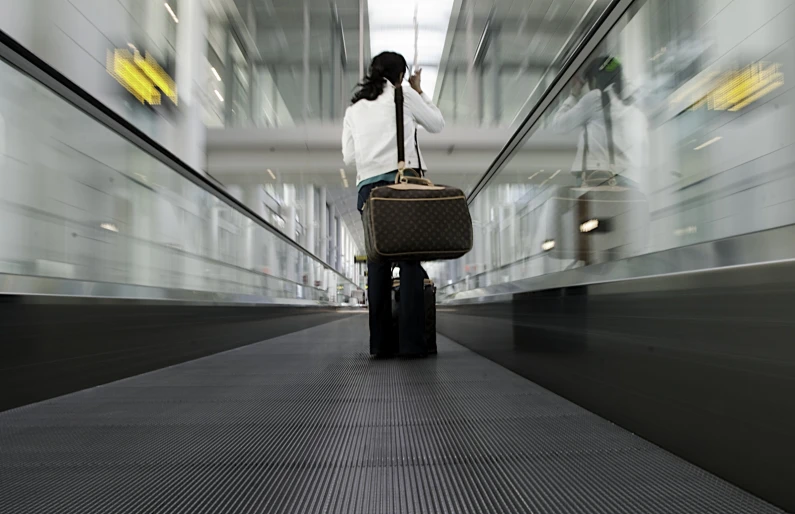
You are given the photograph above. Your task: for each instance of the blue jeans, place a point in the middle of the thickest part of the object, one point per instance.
(410, 338)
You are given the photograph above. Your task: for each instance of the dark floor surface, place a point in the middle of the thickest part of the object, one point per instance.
(309, 423)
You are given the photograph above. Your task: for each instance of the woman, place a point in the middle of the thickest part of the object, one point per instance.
(611, 164)
(613, 140)
(369, 140)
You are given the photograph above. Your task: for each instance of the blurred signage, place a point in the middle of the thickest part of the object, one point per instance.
(736, 89)
(359, 258)
(141, 75)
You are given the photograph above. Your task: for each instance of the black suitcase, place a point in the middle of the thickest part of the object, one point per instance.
(429, 291)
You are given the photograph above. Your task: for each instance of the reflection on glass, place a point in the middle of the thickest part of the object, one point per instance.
(80, 202)
(681, 133)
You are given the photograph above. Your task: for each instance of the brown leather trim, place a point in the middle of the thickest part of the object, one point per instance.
(418, 199)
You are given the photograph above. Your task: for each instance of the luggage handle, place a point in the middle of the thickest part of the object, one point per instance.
(401, 178)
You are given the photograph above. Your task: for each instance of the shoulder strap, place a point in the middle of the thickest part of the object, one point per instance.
(419, 159)
(584, 169)
(401, 151)
(611, 150)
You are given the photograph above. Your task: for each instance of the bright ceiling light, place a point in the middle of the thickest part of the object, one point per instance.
(589, 226)
(171, 12)
(110, 227)
(215, 72)
(342, 173)
(704, 145)
(218, 94)
(393, 30)
(270, 172)
(548, 245)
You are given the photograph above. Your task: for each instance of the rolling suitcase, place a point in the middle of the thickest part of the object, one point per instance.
(413, 219)
(429, 294)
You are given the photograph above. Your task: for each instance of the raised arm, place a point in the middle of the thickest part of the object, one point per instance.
(573, 113)
(421, 106)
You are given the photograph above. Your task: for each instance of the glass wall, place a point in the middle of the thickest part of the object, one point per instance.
(80, 202)
(683, 122)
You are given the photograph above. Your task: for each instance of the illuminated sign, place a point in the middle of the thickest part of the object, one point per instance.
(141, 75)
(359, 258)
(736, 89)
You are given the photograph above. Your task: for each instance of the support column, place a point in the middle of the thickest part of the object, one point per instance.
(310, 224)
(229, 78)
(307, 110)
(191, 51)
(288, 212)
(496, 64)
(472, 82)
(253, 199)
(323, 238)
(338, 246)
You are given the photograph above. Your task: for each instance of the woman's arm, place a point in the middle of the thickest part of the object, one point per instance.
(421, 106)
(573, 114)
(348, 148)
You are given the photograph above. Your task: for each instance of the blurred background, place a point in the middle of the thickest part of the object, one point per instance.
(189, 150)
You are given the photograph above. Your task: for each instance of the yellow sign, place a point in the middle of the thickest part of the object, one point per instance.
(359, 258)
(736, 89)
(141, 76)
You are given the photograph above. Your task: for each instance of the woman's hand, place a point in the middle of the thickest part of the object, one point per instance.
(576, 86)
(416, 81)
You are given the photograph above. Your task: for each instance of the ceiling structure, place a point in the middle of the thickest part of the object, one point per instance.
(464, 42)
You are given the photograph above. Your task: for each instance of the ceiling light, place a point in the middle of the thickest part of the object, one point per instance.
(171, 12)
(589, 226)
(218, 94)
(548, 245)
(215, 72)
(270, 172)
(110, 226)
(342, 173)
(531, 177)
(685, 231)
(704, 145)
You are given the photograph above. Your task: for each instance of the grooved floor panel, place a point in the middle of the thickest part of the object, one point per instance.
(308, 423)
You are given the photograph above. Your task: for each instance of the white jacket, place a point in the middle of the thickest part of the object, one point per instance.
(369, 132)
(630, 135)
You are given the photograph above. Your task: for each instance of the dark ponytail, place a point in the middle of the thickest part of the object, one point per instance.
(387, 66)
(604, 72)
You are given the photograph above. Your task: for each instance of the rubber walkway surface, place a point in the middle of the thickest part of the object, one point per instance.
(307, 423)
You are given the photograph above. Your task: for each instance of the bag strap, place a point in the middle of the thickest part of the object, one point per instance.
(401, 151)
(611, 149)
(419, 159)
(585, 151)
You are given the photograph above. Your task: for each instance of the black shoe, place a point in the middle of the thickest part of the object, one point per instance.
(381, 356)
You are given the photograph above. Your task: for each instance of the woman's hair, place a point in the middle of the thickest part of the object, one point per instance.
(603, 72)
(386, 66)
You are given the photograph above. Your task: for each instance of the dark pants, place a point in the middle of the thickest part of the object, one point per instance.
(412, 301)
